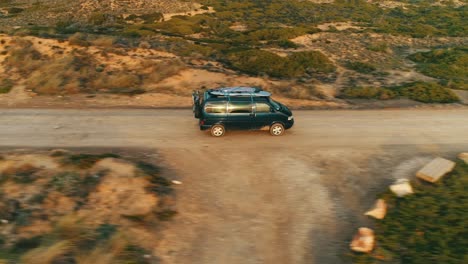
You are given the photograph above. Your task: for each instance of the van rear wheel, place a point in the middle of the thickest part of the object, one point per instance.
(217, 130)
(277, 129)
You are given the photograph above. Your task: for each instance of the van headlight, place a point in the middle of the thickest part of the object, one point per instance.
(290, 118)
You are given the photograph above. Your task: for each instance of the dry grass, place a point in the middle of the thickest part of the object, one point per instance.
(61, 72)
(104, 41)
(298, 92)
(6, 85)
(122, 80)
(81, 70)
(23, 56)
(45, 255)
(22, 174)
(71, 228)
(78, 39)
(163, 70)
(106, 254)
(78, 211)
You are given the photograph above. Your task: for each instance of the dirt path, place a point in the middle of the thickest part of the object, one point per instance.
(252, 198)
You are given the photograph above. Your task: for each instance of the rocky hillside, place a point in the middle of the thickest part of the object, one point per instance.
(135, 6)
(306, 50)
(49, 12)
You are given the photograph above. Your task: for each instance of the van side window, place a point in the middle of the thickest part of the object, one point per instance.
(215, 107)
(263, 108)
(240, 107)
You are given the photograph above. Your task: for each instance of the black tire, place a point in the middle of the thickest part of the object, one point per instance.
(277, 129)
(218, 130)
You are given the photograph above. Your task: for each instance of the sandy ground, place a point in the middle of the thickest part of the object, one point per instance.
(252, 198)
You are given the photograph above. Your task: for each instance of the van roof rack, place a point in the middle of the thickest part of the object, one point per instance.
(239, 91)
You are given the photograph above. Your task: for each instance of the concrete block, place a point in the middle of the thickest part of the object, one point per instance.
(363, 241)
(464, 157)
(435, 169)
(379, 210)
(401, 188)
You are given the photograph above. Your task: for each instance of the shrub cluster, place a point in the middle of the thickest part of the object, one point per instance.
(361, 67)
(368, 93)
(6, 85)
(259, 62)
(428, 93)
(83, 233)
(449, 65)
(422, 19)
(418, 91)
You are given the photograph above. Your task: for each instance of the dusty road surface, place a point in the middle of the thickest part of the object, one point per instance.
(252, 198)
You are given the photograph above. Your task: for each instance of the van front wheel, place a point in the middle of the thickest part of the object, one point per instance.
(217, 130)
(277, 129)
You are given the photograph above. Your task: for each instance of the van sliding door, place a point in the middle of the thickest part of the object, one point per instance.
(240, 115)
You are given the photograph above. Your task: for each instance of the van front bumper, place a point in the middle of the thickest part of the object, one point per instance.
(289, 124)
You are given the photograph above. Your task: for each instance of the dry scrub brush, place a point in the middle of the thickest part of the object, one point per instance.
(80, 72)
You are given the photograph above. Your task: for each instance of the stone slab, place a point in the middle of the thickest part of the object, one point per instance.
(379, 210)
(464, 157)
(435, 169)
(363, 241)
(401, 187)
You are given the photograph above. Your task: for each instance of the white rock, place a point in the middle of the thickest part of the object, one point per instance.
(379, 211)
(435, 169)
(401, 188)
(464, 157)
(363, 241)
(4, 221)
(177, 182)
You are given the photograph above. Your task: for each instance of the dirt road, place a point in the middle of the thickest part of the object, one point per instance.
(252, 198)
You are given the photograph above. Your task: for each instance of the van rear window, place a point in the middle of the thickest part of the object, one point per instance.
(215, 107)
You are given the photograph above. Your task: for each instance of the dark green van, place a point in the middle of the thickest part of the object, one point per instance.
(240, 108)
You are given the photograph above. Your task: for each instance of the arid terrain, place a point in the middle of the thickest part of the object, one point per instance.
(103, 53)
(168, 81)
(251, 198)
(378, 88)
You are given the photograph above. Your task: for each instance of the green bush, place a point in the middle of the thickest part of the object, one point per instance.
(378, 47)
(67, 183)
(428, 226)
(259, 62)
(97, 18)
(286, 44)
(152, 17)
(418, 91)
(449, 65)
(313, 61)
(275, 34)
(15, 10)
(428, 93)
(182, 25)
(6, 85)
(361, 67)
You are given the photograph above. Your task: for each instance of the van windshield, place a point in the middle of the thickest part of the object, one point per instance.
(275, 104)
